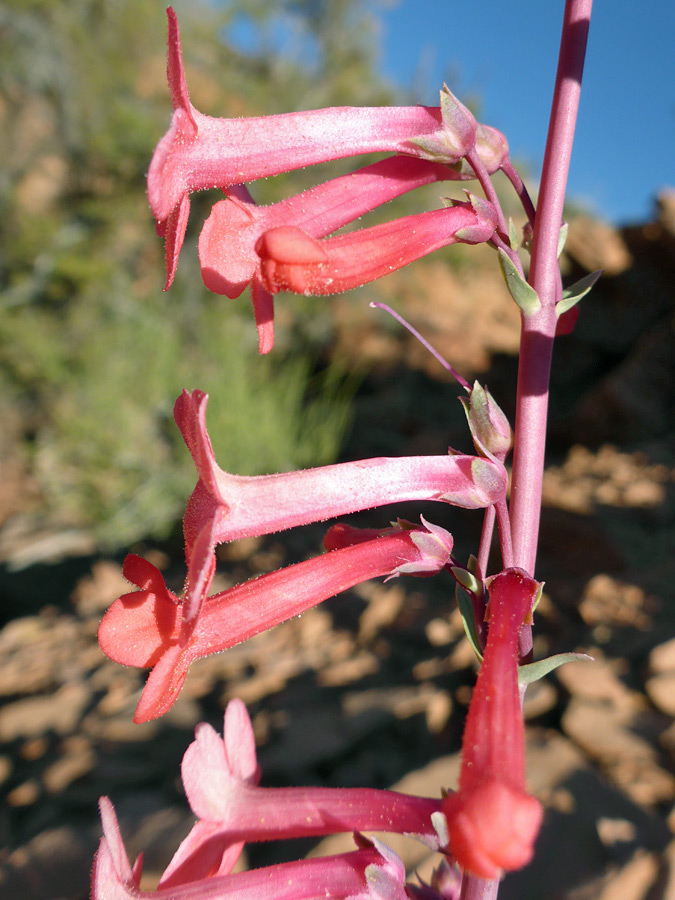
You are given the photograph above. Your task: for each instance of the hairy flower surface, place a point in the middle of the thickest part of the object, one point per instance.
(492, 820)
(200, 152)
(373, 872)
(147, 627)
(225, 507)
(227, 242)
(291, 259)
(220, 777)
(228, 238)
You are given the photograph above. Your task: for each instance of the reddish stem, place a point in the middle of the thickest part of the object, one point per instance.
(539, 329)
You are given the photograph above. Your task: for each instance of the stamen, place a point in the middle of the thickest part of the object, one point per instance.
(425, 343)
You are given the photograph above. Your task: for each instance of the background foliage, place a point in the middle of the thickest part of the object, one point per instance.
(92, 353)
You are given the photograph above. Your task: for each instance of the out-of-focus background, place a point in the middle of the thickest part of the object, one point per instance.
(93, 355)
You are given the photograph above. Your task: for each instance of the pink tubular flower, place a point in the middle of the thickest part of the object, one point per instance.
(225, 507)
(293, 260)
(200, 152)
(492, 821)
(372, 872)
(220, 777)
(227, 242)
(147, 627)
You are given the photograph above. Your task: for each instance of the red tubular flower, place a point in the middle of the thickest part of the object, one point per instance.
(228, 238)
(227, 242)
(226, 507)
(370, 873)
(492, 820)
(147, 627)
(293, 260)
(220, 776)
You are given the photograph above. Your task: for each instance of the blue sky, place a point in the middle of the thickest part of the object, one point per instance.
(625, 144)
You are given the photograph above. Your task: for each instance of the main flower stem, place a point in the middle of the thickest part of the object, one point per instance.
(538, 332)
(474, 888)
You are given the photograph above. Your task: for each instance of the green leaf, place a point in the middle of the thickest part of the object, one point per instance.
(562, 237)
(524, 294)
(536, 670)
(468, 620)
(573, 294)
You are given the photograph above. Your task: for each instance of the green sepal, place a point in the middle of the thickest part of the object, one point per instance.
(523, 293)
(562, 237)
(536, 670)
(466, 611)
(459, 124)
(573, 294)
(537, 599)
(467, 580)
(514, 236)
(437, 149)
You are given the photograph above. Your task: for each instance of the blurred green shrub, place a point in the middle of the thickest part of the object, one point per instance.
(92, 353)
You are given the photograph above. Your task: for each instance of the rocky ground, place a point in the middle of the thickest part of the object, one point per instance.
(371, 688)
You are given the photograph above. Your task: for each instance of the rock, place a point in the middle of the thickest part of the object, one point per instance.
(76, 759)
(607, 735)
(633, 881)
(661, 691)
(598, 681)
(94, 594)
(662, 657)
(55, 864)
(605, 477)
(59, 712)
(540, 698)
(596, 245)
(665, 204)
(636, 397)
(608, 601)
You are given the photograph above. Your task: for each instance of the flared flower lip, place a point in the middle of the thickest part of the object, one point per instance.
(200, 151)
(148, 627)
(227, 241)
(220, 778)
(225, 507)
(348, 876)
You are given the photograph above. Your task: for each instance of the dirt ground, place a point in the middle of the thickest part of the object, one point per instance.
(371, 688)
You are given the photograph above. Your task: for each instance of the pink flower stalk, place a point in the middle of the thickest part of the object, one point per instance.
(227, 242)
(492, 820)
(293, 260)
(373, 872)
(220, 776)
(226, 507)
(147, 628)
(200, 152)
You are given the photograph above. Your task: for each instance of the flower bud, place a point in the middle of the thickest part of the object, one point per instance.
(490, 429)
